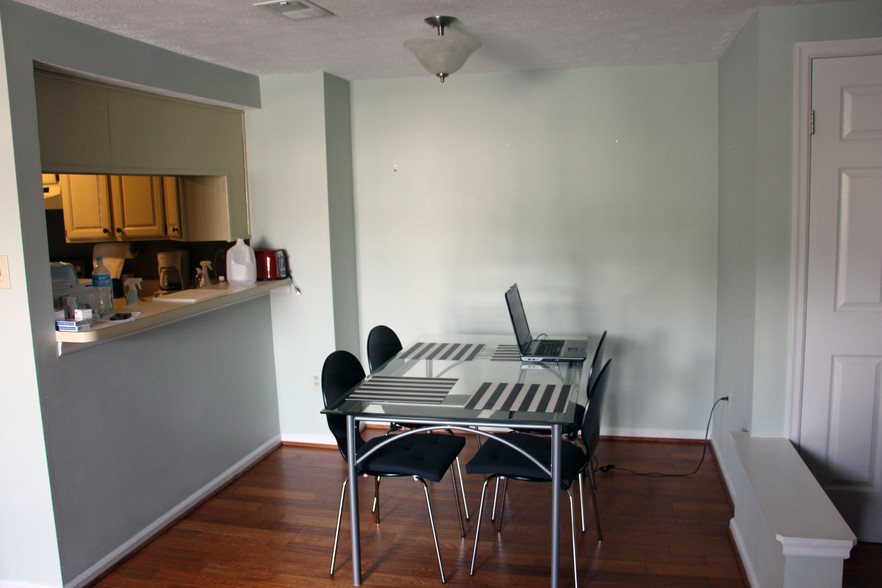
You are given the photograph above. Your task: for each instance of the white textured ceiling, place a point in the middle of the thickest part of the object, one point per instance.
(363, 40)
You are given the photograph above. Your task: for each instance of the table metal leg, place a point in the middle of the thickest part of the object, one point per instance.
(556, 431)
(353, 500)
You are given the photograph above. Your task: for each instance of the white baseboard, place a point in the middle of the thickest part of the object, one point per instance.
(723, 467)
(307, 439)
(166, 520)
(328, 439)
(651, 433)
(752, 578)
(16, 584)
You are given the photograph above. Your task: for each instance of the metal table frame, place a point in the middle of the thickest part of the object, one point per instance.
(469, 425)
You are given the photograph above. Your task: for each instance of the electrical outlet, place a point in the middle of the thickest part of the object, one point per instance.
(4, 272)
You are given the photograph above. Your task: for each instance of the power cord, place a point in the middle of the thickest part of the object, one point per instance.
(610, 467)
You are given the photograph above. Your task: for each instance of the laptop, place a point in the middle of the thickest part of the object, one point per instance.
(540, 349)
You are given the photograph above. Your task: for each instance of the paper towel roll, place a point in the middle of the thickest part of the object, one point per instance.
(113, 255)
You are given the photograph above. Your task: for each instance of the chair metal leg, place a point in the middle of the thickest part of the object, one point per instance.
(339, 518)
(432, 520)
(573, 531)
(582, 500)
(478, 527)
(502, 504)
(465, 504)
(456, 500)
(594, 500)
(375, 507)
(495, 496)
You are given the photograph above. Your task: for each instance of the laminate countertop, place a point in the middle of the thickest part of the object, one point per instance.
(156, 312)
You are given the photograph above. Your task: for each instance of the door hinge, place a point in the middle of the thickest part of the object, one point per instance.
(812, 123)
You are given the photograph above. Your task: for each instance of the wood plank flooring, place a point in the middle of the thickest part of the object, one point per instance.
(274, 526)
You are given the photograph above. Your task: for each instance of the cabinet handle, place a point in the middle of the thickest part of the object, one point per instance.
(105, 231)
(119, 231)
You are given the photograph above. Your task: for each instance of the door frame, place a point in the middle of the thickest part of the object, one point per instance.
(805, 53)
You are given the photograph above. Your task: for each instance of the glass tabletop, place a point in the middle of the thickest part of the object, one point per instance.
(471, 379)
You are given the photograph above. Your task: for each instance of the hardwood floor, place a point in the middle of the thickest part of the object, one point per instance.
(274, 526)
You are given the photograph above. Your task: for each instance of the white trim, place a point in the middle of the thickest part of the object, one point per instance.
(165, 521)
(804, 547)
(722, 466)
(651, 433)
(805, 53)
(746, 562)
(308, 439)
(15, 584)
(673, 434)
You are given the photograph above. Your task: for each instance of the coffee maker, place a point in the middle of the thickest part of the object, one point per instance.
(173, 270)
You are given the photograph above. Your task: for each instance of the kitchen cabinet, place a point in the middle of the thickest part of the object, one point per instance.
(99, 207)
(138, 208)
(174, 221)
(85, 199)
(72, 124)
(90, 127)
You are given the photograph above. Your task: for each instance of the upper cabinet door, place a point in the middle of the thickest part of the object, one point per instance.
(72, 123)
(137, 207)
(184, 138)
(86, 202)
(174, 219)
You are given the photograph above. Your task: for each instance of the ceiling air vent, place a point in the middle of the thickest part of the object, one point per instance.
(295, 9)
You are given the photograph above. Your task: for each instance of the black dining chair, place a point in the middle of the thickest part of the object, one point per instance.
(496, 460)
(570, 431)
(382, 345)
(422, 457)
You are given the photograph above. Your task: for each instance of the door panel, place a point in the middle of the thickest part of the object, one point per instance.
(842, 408)
(859, 263)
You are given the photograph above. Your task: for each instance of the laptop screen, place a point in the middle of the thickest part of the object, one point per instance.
(518, 318)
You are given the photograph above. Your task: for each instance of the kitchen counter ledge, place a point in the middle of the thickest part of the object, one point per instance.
(156, 312)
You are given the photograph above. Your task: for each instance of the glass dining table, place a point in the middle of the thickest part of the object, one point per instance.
(475, 383)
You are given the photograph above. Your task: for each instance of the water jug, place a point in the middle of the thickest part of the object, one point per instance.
(241, 264)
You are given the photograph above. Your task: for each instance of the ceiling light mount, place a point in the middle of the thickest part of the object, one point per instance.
(441, 55)
(439, 22)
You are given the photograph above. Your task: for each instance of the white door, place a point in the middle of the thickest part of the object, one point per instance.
(841, 421)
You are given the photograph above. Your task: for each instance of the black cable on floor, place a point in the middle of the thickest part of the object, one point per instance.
(610, 467)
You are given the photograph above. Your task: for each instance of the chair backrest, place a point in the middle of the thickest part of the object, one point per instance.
(596, 363)
(382, 345)
(340, 373)
(591, 421)
(593, 373)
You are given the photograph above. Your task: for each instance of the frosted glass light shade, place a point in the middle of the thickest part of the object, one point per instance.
(441, 55)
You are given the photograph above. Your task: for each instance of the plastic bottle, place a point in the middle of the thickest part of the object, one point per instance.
(241, 264)
(102, 297)
(132, 285)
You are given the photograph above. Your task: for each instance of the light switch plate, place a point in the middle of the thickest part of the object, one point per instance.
(4, 272)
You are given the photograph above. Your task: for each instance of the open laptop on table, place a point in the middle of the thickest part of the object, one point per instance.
(540, 349)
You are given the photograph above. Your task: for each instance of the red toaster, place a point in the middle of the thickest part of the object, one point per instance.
(271, 264)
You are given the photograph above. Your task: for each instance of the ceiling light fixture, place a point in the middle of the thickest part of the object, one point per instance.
(441, 55)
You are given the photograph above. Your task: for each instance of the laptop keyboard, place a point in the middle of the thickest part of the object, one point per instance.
(549, 347)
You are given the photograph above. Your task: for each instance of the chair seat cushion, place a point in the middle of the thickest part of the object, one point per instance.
(497, 458)
(427, 455)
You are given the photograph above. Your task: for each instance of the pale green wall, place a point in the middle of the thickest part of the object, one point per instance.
(288, 180)
(757, 146)
(135, 428)
(780, 29)
(594, 189)
(736, 276)
(756, 203)
(28, 549)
